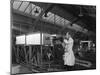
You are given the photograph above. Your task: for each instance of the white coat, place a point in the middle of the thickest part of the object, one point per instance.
(68, 57)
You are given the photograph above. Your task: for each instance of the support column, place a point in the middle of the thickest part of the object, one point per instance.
(30, 54)
(26, 60)
(17, 54)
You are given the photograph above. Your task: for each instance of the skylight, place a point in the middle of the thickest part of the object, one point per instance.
(23, 6)
(16, 4)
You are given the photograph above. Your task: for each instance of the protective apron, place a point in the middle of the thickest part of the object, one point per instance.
(68, 57)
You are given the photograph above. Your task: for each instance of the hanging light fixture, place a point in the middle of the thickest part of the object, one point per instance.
(36, 11)
(46, 14)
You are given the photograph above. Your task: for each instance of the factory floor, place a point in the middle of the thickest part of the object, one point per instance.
(19, 69)
(82, 63)
(23, 69)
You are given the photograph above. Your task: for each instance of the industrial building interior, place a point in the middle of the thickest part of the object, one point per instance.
(37, 30)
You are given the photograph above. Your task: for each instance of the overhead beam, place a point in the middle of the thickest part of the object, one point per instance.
(17, 17)
(20, 29)
(29, 16)
(27, 22)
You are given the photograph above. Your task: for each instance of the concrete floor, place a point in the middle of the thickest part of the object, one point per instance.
(19, 69)
(89, 59)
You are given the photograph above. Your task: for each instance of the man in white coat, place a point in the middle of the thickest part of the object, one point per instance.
(68, 57)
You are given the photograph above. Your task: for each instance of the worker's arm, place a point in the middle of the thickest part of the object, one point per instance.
(66, 42)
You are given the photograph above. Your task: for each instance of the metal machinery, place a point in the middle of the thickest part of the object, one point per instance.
(32, 48)
(86, 54)
(39, 49)
(86, 46)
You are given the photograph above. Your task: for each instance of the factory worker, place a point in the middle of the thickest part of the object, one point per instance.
(68, 57)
